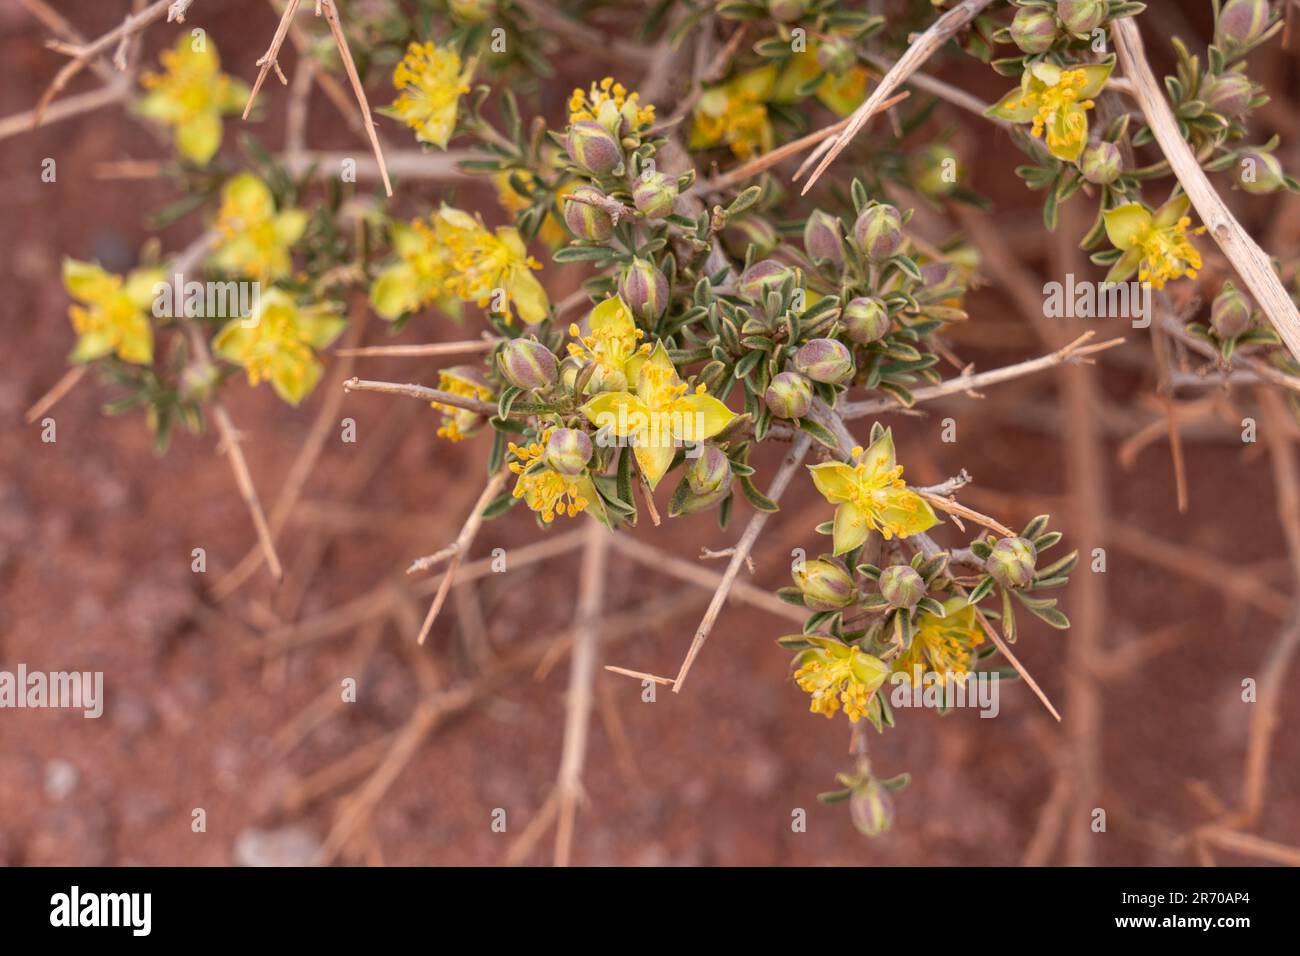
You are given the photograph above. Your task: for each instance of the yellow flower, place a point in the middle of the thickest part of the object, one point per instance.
(253, 239)
(843, 93)
(491, 268)
(1055, 101)
(418, 277)
(430, 81)
(278, 343)
(114, 316)
(835, 673)
(544, 489)
(735, 114)
(660, 416)
(190, 96)
(871, 494)
(613, 344)
(468, 382)
(606, 101)
(1155, 246)
(942, 645)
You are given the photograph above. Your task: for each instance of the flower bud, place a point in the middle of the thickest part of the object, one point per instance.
(653, 195)
(940, 279)
(1101, 163)
(1012, 562)
(1033, 29)
(527, 363)
(1230, 313)
(1229, 94)
(879, 231)
(825, 360)
(1258, 172)
(789, 395)
(594, 148)
(585, 220)
(823, 237)
(1241, 23)
(763, 276)
(710, 472)
(568, 450)
(748, 231)
(902, 586)
(645, 289)
(825, 586)
(865, 319)
(871, 808)
(835, 55)
(1081, 16)
(787, 11)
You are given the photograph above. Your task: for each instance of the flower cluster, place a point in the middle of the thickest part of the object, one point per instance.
(191, 95)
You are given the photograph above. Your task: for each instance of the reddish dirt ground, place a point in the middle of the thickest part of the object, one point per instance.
(96, 534)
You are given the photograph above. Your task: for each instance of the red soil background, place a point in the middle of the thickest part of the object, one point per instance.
(96, 534)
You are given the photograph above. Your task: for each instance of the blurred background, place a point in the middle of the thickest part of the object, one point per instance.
(233, 705)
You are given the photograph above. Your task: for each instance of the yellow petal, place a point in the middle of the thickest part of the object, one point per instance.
(528, 296)
(613, 316)
(654, 459)
(395, 291)
(621, 412)
(1126, 223)
(880, 456)
(1015, 107)
(702, 416)
(906, 513)
(835, 480)
(1095, 77)
(87, 281)
(1174, 209)
(851, 527)
(199, 137)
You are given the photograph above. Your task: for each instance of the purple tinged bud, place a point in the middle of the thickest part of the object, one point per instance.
(763, 276)
(1101, 163)
(825, 586)
(823, 237)
(1033, 29)
(871, 808)
(1081, 16)
(787, 11)
(750, 231)
(528, 364)
(866, 319)
(594, 148)
(825, 360)
(585, 220)
(902, 586)
(1230, 313)
(1012, 562)
(653, 195)
(879, 231)
(1241, 23)
(645, 289)
(789, 395)
(709, 473)
(1258, 172)
(568, 450)
(1229, 94)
